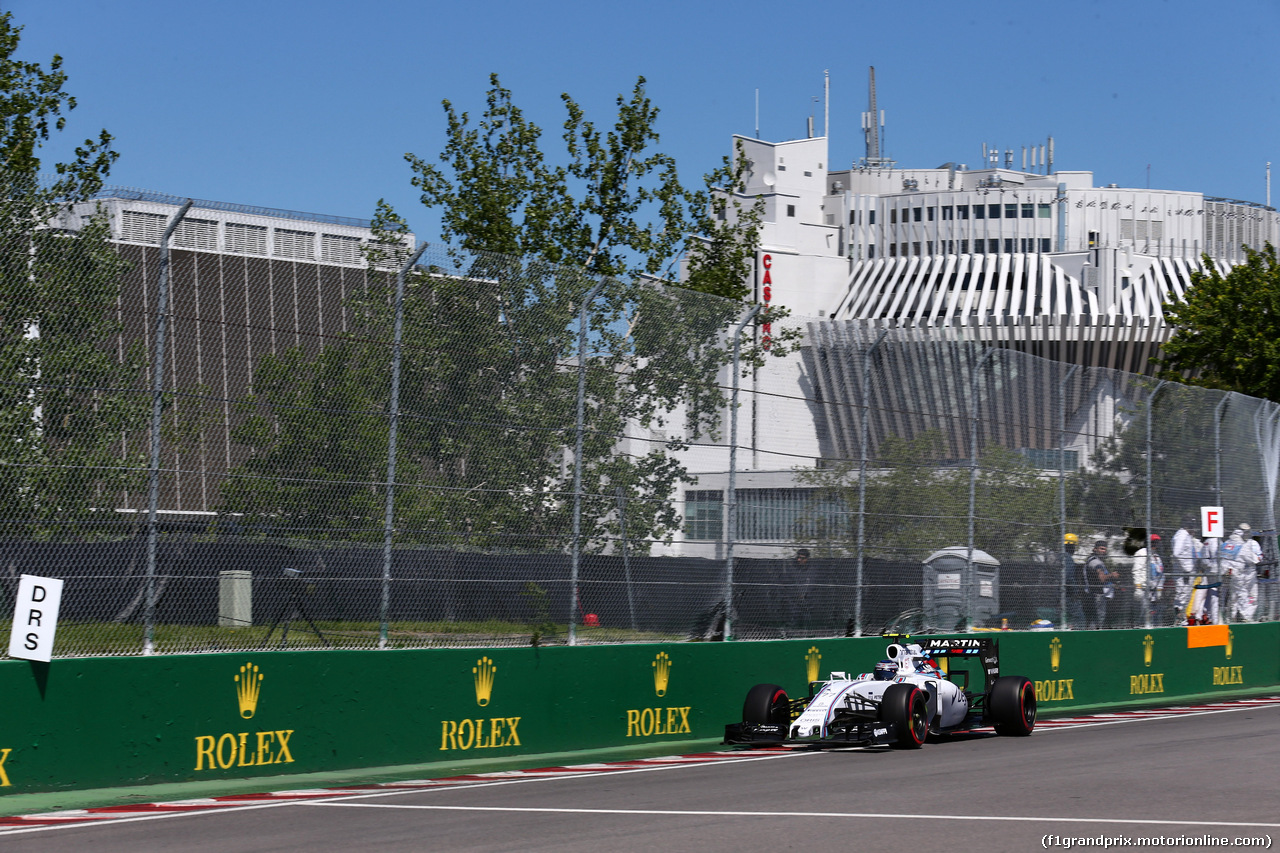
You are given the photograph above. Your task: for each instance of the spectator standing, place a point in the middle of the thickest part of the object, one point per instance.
(1102, 580)
(1244, 579)
(797, 594)
(1204, 601)
(1150, 567)
(1079, 594)
(1186, 550)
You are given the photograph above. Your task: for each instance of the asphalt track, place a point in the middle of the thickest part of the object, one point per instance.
(1209, 771)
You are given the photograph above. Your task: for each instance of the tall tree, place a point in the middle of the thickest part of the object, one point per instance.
(65, 409)
(1225, 331)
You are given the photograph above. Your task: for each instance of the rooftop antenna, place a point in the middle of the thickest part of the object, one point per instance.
(872, 126)
(826, 103)
(757, 112)
(1268, 183)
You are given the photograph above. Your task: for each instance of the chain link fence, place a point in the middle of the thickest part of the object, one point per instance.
(228, 429)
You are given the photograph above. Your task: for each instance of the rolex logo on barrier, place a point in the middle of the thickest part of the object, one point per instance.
(661, 673)
(248, 686)
(1055, 653)
(812, 660)
(244, 749)
(483, 672)
(1148, 643)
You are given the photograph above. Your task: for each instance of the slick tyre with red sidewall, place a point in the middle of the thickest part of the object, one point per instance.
(767, 703)
(905, 708)
(1011, 705)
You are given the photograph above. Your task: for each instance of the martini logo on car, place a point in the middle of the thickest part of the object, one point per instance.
(244, 749)
(661, 673)
(1148, 644)
(1055, 653)
(483, 672)
(813, 659)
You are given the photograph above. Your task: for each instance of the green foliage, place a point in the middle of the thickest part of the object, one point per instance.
(1225, 332)
(917, 502)
(69, 406)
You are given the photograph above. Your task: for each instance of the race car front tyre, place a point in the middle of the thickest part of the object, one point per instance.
(768, 704)
(904, 707)
(1012, 705)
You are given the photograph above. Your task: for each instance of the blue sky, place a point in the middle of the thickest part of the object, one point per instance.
(311, 105)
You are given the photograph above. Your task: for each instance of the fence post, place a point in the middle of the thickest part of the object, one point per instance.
(577, 460)
(392, 434)
(862, 481)
(157, 406)
(973, 485)
(1062, 492)
(731, 504)
(626, 552)
(1151, 411)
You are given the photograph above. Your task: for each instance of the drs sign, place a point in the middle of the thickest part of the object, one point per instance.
(35, 618)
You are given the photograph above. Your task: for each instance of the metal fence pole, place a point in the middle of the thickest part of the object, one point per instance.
(973, 486)
(862, 480)
(1151, 411)
(1062, 491)
(626, 553)
(157, 406)
(731, 508)
(393, 427)
(577, 461)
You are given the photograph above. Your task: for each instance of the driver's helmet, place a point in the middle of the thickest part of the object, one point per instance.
(886, 670)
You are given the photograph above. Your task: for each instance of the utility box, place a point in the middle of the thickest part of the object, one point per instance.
(947, 584)
(235, 599)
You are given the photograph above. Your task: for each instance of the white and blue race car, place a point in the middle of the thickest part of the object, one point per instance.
(917, 690)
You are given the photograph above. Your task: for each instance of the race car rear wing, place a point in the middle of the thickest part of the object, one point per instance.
(986, 649)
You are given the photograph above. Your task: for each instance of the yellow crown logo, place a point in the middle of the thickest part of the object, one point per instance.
(1231, 635)
(1055, 653)
(483, 671)
(1148, 644)
(812, 659)
(661, 673)
(248, 686)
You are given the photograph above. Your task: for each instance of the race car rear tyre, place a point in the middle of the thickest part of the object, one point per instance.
(1012, 705)
(904, 707)
(767, 703)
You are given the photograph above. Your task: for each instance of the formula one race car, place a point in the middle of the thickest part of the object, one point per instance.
(919, 689)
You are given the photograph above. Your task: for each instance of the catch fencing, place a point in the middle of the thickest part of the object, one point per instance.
(228, 428)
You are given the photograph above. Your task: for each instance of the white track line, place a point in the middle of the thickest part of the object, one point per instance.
(855, 815)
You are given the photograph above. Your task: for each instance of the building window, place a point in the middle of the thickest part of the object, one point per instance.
(893, 216)
(915, 248)
(853, 217)
(902, 250)
(1042, 211)
(704, 514)
(964, 247)
(979, 248)
(915, 214)
(993, 211)
(1044, 244)
(893, 250)
(871, 217)
(791, 210)
(139, 227)
(871, 251)
(979, 211)
(198, 234)
(928, 247)
(947, 213)
(788, 515)
(931, 214)
(1028, 211)
(246, 239)
(295, 244)
(340, 249)
(1011, 211)
(962, 211)
(993, 246)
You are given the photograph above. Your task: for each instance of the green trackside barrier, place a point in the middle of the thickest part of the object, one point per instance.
(98, 722)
